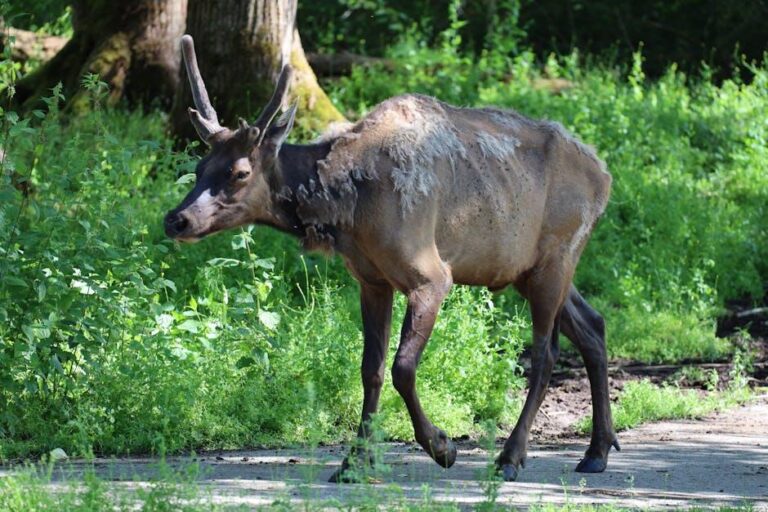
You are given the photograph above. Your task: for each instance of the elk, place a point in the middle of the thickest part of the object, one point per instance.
(418, 196)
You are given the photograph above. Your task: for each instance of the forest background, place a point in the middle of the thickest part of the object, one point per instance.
(115, 340)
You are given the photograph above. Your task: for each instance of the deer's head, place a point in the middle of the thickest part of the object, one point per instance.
(232, 180)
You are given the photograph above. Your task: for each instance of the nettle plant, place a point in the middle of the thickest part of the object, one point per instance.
(86, 296)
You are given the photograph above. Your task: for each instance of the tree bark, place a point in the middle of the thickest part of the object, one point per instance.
(241, 47)
(132, 46)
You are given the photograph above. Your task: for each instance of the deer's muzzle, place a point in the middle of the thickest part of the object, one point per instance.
(175, 224)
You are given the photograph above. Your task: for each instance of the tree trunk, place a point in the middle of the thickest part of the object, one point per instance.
(241, 47)
(132, 45)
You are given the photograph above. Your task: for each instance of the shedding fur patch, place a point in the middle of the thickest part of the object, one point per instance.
(417, 142)
(332, 205)
(497, 146)
(334, 130)
(514, 122)
(414, 132)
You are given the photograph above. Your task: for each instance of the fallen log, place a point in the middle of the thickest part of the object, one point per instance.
(755, 312)
(336, 64)
(26, 45)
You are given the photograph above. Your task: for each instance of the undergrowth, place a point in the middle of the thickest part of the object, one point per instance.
(115, 340)
(643, 402)
(34, 488)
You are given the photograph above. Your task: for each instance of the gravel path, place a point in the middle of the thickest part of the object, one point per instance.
(722, 460)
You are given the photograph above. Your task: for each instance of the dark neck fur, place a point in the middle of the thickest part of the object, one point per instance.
(296, 166)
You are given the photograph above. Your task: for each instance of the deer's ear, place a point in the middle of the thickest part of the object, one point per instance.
(278, 132)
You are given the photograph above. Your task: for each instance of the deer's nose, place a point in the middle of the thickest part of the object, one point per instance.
(175, 224)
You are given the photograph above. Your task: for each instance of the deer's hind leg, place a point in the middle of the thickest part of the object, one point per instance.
(545, 289)
(586, 329)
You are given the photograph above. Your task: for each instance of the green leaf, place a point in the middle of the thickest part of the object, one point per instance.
(223, 262)
(82, 287)
(29, 332)
(240, 241)
(265, 263)
(270, 319)
(164, 321)
(186, 178)
(192, 326)
(165, 283)
(15, 281)
(180, 352)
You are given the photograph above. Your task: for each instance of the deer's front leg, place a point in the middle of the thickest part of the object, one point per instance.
(423, 304)
(376, 309)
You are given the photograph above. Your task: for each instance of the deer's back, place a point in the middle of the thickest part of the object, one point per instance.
(492, 189)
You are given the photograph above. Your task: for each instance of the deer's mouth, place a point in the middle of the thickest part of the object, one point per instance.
(183, 227)
(188, 239)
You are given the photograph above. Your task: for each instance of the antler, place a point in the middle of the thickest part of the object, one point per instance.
(273, 106)
(204, 119)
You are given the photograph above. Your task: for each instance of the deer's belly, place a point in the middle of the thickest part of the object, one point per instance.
(489, 250)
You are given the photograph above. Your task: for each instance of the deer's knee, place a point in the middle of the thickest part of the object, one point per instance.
(404, 374)
(372, 374)
(549, 358)
(597, 325)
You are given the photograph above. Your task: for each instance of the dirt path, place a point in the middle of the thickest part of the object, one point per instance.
(717, 461)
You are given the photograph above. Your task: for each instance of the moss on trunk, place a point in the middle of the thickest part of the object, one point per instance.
(117, 41)
(316, 111)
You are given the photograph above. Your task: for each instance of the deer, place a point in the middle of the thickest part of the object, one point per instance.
(415, 197)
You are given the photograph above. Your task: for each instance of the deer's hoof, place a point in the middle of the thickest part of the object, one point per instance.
(508, 472)
(592, 465)
(449, 458)
(442, 449)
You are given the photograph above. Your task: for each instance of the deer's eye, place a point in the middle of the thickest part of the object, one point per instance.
(241, 175)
